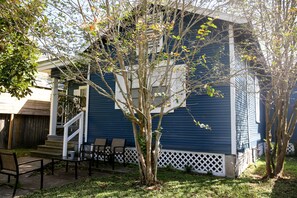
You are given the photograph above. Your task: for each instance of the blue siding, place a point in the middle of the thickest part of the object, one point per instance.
(242, 136)
(179, 130)
(248, 131)
(104, 119)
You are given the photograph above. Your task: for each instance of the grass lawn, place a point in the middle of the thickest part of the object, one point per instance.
(181, 184)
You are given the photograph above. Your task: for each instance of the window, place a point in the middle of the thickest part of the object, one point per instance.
(176, 89)
(82, 93)
(257, 99)
(155, 39)
(156, 91)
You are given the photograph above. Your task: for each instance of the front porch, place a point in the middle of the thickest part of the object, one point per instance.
(67, 123)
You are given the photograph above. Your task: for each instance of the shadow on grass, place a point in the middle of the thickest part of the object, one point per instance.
(173, 184)
(285, 188)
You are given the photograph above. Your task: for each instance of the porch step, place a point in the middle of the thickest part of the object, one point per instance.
(59, 143)
(43, 154)
(52, 148)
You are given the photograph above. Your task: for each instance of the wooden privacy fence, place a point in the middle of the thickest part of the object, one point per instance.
(28, 131)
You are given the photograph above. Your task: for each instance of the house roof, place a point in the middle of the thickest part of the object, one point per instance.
(213, 13)
(47, 62)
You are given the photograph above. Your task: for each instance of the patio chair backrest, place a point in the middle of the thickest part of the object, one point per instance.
(100, 141)
(8, 161)
(116, 142)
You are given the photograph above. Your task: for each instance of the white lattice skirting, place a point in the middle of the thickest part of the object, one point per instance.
(290, 148)
(200, 162)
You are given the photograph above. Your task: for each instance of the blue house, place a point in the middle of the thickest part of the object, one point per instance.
(236, 120)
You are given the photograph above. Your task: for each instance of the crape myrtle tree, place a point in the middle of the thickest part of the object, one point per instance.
(275, 26)
(146, 56)
(18, 54)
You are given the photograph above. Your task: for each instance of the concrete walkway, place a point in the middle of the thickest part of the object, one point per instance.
(31, 182)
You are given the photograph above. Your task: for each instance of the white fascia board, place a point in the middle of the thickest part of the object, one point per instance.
(50, 63)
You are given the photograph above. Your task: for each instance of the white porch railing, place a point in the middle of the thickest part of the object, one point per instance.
(79, 131)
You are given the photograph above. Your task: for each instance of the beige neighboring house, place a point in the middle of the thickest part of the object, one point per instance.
(25, 122)
(38, 103)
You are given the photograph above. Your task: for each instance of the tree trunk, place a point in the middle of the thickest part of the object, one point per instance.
(156, 153)
(278, 172)
(268, 158)
(148, 158)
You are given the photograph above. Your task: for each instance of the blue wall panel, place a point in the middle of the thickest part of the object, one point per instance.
(248, 131)
(179, 130)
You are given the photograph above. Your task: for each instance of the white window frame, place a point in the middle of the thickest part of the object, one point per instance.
(257, 100)
(177, 85)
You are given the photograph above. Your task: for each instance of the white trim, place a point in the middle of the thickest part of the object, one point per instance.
(232, 89)
(87, 107)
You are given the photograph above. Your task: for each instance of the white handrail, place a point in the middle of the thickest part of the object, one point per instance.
(80, 131)
(74, 119)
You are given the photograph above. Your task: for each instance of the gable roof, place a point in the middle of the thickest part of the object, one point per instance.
(46, 62)
(211, 13)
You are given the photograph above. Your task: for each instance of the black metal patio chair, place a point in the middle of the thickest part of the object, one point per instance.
(117, 148)
(10, 166)
(100, 149)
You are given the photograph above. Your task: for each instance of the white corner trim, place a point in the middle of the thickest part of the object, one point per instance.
(87, 107)
(232, 88)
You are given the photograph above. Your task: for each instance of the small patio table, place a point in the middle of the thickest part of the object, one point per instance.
(74, 160)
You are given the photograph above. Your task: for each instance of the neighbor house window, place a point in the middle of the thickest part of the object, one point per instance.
(82, 93)
(176, 91)
(257, 99)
